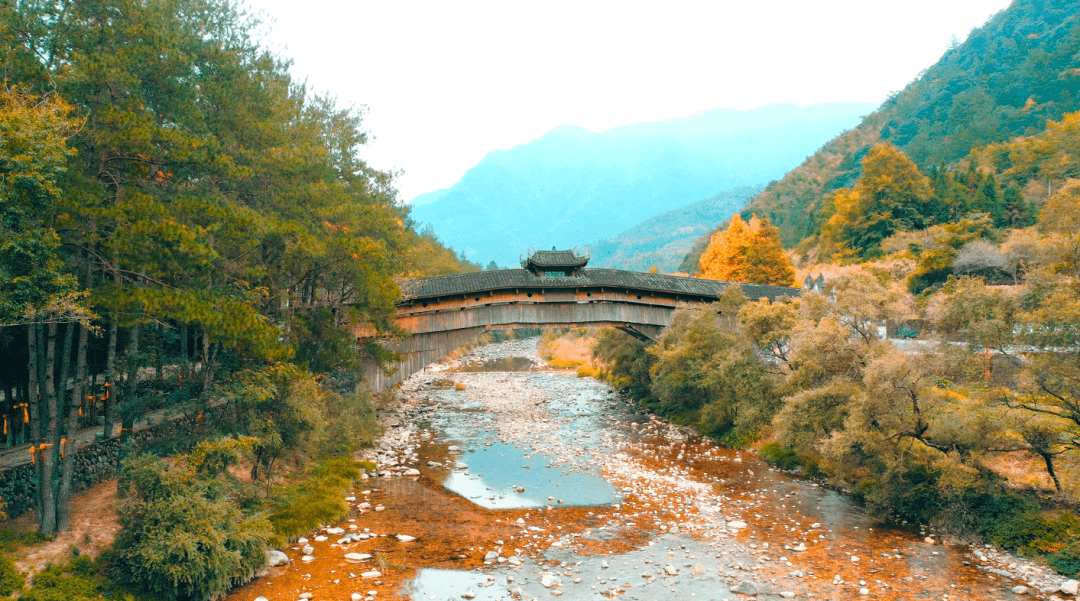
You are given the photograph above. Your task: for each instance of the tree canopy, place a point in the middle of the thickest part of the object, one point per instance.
(747, 252)
(172, 195)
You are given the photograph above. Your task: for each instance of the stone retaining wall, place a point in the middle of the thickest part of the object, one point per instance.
(94, 463)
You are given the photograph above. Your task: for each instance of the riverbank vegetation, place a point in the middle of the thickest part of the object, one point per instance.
(973, 433)
(187, 231)
(935, 374)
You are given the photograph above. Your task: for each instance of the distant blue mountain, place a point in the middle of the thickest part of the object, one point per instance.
(664, 240)
(572, 186)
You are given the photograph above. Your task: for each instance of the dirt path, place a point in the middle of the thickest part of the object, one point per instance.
(93, 527)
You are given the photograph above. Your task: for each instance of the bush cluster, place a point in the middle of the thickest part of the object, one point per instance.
(914, 430)
(319, 499)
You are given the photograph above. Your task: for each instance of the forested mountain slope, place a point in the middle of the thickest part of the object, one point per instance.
(1011, 75)
(573, 186)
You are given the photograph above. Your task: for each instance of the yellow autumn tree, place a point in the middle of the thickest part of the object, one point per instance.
(891, 196)
(748, 252)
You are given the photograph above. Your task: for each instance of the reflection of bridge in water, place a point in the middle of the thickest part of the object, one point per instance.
(553, 290)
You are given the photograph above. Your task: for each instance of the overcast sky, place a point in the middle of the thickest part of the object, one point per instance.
(445, 82)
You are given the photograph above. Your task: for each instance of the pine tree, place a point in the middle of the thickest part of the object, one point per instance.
(891, 196)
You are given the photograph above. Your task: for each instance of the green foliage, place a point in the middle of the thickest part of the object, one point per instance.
(625, 362)
(212, 457)
(319, 499)
(1003, 81)
(322, 346)
(695, 374)
(287, 412)
(350, 424)
(77, 580)
(1032, 533)
(1066, 561)
(779, 456)
(32, 157)
(181, 535)
(891, 195)
(11, 579)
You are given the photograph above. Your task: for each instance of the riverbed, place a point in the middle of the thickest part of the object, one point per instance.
(500, 479)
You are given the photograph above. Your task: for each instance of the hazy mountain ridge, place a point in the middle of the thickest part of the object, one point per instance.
(572, 186)
(665, 239)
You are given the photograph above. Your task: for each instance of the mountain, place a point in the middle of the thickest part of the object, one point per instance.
(666, 239)
(1007, 79)
(573, 186)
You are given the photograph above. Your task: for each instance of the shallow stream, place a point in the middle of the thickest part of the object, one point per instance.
(518, 482)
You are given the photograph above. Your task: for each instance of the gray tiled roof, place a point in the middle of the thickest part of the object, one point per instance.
(556, 258)
(522, 279)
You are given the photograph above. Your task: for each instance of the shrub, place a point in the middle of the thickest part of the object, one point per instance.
(181, 536)
(318, 500)
(564, 349)
(1032, 533)
(11, 579)
(1067, 561)
(78, 580)
(626, 363)
(783, 458)
(588, 371)
(350, 424)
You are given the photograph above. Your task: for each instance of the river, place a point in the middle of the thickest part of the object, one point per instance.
(502, 479)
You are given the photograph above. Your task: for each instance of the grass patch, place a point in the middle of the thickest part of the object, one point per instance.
(77, 580)
(588, 371)
(567, 349)
(784, 458)
(318, 499)
(11, 579)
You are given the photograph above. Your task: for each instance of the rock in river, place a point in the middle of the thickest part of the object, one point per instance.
(276, 558)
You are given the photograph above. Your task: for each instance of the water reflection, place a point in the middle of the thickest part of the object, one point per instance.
(453, 584)
(503, 476)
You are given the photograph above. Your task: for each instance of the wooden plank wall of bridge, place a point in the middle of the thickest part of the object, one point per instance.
(441, 327)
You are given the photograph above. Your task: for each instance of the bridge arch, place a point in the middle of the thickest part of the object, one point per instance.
(553, 289)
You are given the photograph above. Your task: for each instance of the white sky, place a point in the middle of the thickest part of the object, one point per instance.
(447, 81)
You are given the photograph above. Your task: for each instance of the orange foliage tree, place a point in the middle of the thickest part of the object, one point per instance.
(748, 252)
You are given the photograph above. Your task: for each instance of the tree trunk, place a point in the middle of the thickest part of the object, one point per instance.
(110, 380)
(65, 373)
(34, 336)
(131, 385)
(21, 423)
(9, 415)
(1048, 458)
(159, 352)
(30, 408)
(185, 365)
(48, 500)
(67, 469)
(206, 361)
(63, 509)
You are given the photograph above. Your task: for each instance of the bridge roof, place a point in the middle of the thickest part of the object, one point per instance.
(556, 258)
(521, 279)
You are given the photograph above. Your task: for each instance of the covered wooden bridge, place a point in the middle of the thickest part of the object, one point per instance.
(552, 290)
